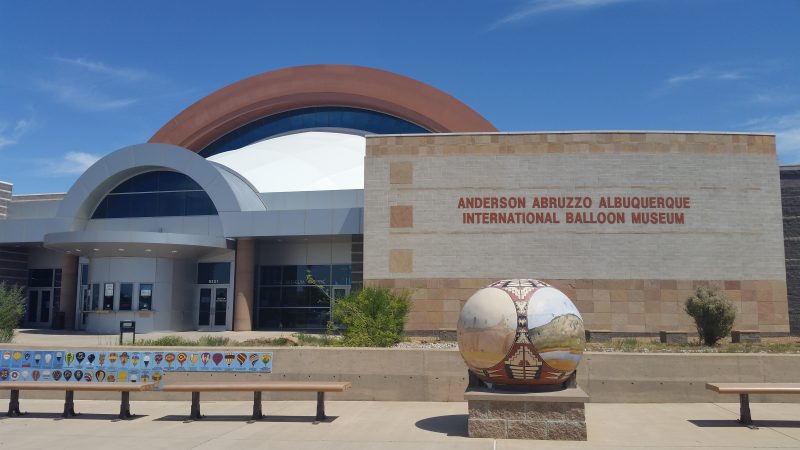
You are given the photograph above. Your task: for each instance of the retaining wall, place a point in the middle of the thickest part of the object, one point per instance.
(441, 376)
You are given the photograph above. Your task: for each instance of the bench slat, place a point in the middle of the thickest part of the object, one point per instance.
(254, 386)
(76, 386)
(754, 388)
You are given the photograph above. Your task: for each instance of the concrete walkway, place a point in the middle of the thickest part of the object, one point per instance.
(61, 338)
(382, 425)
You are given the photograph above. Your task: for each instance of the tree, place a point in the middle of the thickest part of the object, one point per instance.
(12, 307)
(713, 314)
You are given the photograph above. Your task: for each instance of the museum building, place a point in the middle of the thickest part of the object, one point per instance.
(357, 176)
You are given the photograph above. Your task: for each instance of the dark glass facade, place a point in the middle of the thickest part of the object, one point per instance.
(371, 122)
(156, 194)
(287, 299)
(214, 273)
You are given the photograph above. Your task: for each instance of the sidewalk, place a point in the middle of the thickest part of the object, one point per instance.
(70, 338)
(383, 425)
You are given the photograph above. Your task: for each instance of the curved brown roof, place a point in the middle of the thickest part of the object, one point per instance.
(292, 88)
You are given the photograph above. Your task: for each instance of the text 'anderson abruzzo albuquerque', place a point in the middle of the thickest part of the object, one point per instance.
(639, 210)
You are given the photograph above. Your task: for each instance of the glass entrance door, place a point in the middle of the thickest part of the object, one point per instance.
(213, 307)
(39, 306)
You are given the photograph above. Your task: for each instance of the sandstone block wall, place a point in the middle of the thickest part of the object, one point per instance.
(626, 276)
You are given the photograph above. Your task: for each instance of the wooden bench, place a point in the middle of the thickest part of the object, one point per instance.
(70, 388)
(257, 387)
(745, 389)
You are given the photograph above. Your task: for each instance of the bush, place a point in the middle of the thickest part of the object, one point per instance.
(12, 307)
(713, 314)
(372, 317)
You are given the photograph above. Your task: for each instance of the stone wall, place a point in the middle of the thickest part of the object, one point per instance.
(423, 230)
(422, 375)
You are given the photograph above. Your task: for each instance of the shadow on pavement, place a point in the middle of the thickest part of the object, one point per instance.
(732, 423)
(453, 425)
(80, 416)
(248, 419)
(57, 332)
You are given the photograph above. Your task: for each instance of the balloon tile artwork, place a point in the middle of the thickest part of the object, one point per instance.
(123, 366)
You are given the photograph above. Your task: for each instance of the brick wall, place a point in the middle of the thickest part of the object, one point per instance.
(627, 277)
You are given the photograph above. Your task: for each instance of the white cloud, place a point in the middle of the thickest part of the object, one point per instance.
(773, 97)
(124, 73)
(535, 8)
(707, 74)
(72, 163)
(4, 141)
(787, 134)
(83, 97)
(10, 135)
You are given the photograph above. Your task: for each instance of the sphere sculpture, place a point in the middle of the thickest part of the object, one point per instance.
(521, 332)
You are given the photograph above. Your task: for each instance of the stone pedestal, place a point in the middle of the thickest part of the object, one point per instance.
(557, 415)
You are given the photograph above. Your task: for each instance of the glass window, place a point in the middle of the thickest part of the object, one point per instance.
(108, 296)
(270, 275)
(171, 204)
(198, 203)
(33, 305)
(156, 194)
(118, 206)
(298, 274)
(205, 307)
(57, 278)
(287, 301)
(142, 205)
(341, 274)
(309, 118)
(270, 296)
(213, 273)
(294, 275)
(125, 296)
(146, 182)
(95, 297)
(174, 181)
(84, 274)
(40, 278)
(146, 297)
(56, 304)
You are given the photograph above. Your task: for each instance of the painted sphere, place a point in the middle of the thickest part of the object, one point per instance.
(520, 332)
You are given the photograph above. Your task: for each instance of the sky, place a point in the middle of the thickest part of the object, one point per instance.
(81, 79)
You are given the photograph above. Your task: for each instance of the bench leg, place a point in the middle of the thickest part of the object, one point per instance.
(195, 413)
(125, 406)
(69, 404)
(13, 404)
(257, 413)
(744, 409)
(320, 407)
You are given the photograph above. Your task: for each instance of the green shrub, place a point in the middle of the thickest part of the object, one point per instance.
(713, 314)
(12, 307)
(213, 341)
(166, 341)
(372, 317)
